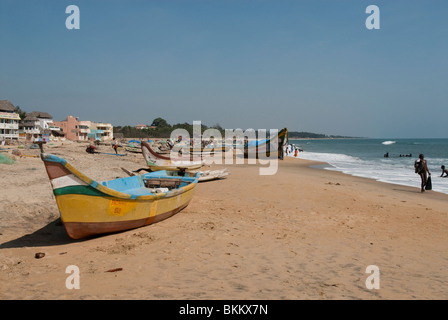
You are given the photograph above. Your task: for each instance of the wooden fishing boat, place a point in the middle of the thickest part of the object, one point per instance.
(261, 148)
(88, 207)
(209, 150)
(203, 175)
(209, 175)
(156, 161)
(133, 149)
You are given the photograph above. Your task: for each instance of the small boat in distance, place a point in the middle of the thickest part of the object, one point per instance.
(156, 161)
(260, 148)
(133, 150)
(88, 207)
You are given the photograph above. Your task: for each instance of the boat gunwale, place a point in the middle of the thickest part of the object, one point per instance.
(172, 166)
(114, 193)
(254, 148)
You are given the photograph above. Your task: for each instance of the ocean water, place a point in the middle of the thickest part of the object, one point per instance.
(365, 158)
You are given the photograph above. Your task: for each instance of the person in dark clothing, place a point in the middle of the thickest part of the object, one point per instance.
(444, 171)
(421, 167)
(115, 146)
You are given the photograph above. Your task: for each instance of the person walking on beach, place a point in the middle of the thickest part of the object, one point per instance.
(421, 167)
(115, 146)
(444, 171)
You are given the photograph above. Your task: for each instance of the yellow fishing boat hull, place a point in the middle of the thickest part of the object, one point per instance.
(84, 215)
(88, 208)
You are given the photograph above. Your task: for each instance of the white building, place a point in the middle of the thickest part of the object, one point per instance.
(105, 130)
(9, 121)
(36, 123)
(84, 130)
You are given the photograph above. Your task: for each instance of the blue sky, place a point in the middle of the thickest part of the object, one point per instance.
(306, 65)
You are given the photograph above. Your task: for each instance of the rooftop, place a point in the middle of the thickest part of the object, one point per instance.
(6, 105)
(35, 115)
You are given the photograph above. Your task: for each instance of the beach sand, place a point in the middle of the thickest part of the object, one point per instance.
(303, 233)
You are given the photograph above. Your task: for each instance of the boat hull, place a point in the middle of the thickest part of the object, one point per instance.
(157, 161)
(265, 149)
(89, 208)
(81, 221)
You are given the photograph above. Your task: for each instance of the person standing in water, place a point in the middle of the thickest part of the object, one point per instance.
(421, 167)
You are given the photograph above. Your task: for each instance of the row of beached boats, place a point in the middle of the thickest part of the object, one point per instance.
(90, 207)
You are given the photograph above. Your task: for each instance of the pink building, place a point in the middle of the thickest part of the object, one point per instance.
(70, 127)
(85, 130)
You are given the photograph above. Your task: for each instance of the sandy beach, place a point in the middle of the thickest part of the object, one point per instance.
(303, 233)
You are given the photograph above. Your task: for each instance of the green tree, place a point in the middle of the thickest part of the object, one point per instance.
(21, 113)
(160, 122)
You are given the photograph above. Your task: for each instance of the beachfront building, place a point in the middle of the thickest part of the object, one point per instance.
(95, 134)
(106, 130)
(36, 124)
(141, 126)
(9, 121)
(84, 130)
(77, 130)
(56, 131)
(69, 127)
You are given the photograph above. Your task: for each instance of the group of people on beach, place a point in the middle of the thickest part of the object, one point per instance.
(292, 149)
(93, 148)
(421, 167)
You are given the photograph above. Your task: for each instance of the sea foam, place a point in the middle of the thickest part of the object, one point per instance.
(399, 172)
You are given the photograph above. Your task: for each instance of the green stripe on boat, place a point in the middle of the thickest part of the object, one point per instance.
(86, 190)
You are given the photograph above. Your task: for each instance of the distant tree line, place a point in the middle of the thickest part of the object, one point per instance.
(160, 128)
(304, 135)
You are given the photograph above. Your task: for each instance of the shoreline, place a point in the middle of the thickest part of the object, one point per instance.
(329, 138)
(407, 188)
(303, 233)
(368, 159)
(322, 165)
